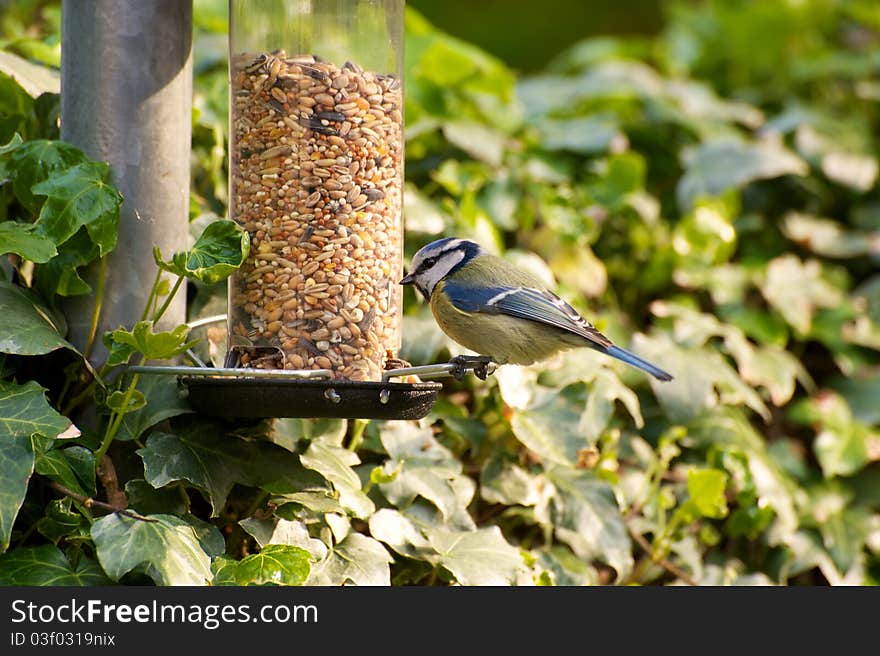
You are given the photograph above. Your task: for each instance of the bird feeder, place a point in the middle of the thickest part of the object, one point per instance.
(316, 179)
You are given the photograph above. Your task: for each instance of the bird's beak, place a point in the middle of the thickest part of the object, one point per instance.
(407, 280)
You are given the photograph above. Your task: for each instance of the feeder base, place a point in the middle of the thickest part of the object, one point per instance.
(273, 397)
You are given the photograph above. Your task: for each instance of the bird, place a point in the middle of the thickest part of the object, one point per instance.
(505, 314)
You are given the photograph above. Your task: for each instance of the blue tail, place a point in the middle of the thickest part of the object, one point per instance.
(636, 361)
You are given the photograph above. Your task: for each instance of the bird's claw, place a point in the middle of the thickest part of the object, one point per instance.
(481, 365)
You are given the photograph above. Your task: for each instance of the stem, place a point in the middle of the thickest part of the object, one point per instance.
(181, 489)
(655, 558)
(116, 419)
(357, 434)
(88, 502)
(152, 297)
(168, 299)
(96, 311)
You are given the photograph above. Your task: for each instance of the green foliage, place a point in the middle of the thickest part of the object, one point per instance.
(710, 204)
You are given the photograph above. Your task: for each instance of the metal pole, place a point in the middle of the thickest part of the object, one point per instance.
(126, 98)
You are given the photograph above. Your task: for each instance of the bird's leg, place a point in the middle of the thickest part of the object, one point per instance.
(478, 363)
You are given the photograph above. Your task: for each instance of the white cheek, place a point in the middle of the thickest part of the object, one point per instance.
(440, 270)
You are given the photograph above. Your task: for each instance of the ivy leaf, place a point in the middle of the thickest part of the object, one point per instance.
(26, 326)
(829, 237)
(73, 467)
(16, 110)
(703, 379)
(478, 141)
(168, 550)
(17, 458)
(728, 429)
(428, 470)
(796, 289)
(201, 454)
(551, 426)
(60, 275)
(23, 239)
(155, 346)
(220, 249)
(116, 401)
(148, 500)
(716, 166)
(510, 484)
(162, 401)
(62, 522)
(47, 565)
(288, 431)
(335, 464)
(276, 564)
(585, 134)
(587, 518)
(357, 559)
(80, 196)
(604, 391)
(706, 489)
(283, 531)
(481, 557)
(35, 162)
(401, 533)
(24, 412)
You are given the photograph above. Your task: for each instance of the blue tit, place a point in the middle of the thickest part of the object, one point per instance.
(489, 306)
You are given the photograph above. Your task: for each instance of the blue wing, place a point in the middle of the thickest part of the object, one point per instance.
(543, 307)
(525, 303)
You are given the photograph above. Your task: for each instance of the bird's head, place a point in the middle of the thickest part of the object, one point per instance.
(437, 260)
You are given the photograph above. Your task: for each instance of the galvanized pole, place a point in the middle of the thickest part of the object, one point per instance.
(126, 98)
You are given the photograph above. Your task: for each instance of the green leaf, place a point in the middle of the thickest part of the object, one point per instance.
(168, 550)
(287, 532)
(16, 109)
(706, 489)
(16, 467)
(585, 134)
(24, 412)
(80, 196)
(201, 454)
(797, 289)
(163, 401)
(47, 565)
(147, 500)
(73, 467)
(117, 401)
(829, 237)
(61, 522)
(357, 559)
(402, 534)
(587, 518)
(26, 326)
(335, 464)
(35, 162)
(476, 140)
(509, 484)
(22, 239)
(428, 471)
(155, 346)
(219, 251)
(703, 379)
(481, 557)
(60, 275)
(287, 431)
(551, 426)
(276, 564)
(716, 166)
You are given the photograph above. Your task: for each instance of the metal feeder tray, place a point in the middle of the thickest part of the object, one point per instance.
(258, 393)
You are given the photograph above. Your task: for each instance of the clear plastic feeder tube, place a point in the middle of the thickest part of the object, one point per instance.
(316, 178)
